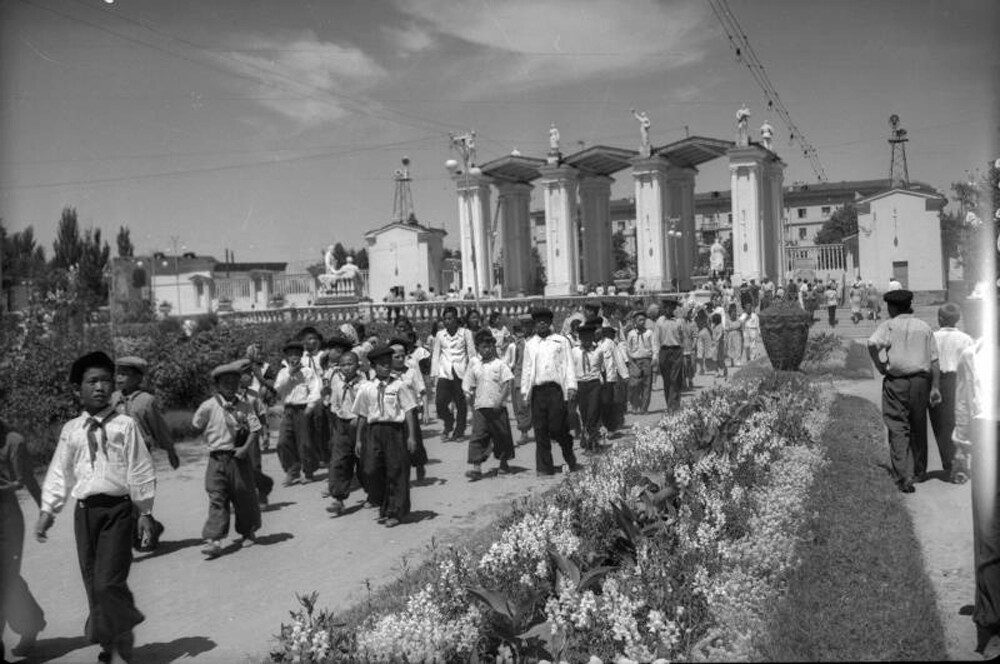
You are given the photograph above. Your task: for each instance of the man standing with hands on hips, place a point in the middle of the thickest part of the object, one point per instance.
(912, 382)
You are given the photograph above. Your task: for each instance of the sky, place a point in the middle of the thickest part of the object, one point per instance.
(273, 128)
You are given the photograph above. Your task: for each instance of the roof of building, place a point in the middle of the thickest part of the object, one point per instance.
(170, 265)
(694, 150)
(251, 267)
(405, 225)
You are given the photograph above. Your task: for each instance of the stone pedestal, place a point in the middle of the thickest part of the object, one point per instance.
(562, 265)
(474, 225)
(515, 237)
(758, 205)
(680, 209)
(595, 204)
(650, 213)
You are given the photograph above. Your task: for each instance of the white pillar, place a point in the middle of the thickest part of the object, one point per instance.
(562, 265)
(650, 212)
(595, 204)
(474, 223)
(515, 236)
(758, 205)
(680, 205)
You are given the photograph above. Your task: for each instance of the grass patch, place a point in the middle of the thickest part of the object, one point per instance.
(861, 592)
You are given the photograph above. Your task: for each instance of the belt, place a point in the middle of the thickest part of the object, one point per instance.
(101, 500)
(393, 425)
(669, 347)
(916, 374)
(221, 454)
(295, 406)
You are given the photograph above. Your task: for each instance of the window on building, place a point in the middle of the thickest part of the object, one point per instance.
(729, 218)
(825, 210)
(802, 233)
(802, 213)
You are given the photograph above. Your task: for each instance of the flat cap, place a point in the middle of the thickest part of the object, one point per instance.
(398, 341)
(339, 341)
(309, 329)
(292, 344)
(541, 312)
(588, 328)
(228, 368)
(593, 305)
(900, 296)
(132, 362)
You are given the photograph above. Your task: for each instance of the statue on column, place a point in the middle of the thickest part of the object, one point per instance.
(717, 258)
(553, 144)
(645, 148)
(766, 134)
(347, 273)
(742, 126)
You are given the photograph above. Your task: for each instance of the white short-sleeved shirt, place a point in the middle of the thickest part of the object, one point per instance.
(485, 381)
(951, 342)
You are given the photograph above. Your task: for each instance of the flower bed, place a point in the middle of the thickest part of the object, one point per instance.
(676, 546)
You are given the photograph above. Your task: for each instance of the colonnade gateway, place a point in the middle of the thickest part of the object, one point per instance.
(577, 192)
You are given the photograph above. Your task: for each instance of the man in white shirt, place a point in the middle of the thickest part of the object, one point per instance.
(951, 342)
(639, 345)
(548, 382)
(451, 351)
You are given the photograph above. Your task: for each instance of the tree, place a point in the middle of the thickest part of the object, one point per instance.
(622, 259)
(67, 249)
(124, 240)
(540, 280)
(969, 232)
(94, 259)
(360, 258)
(842, 223)
(339, 255)
(22, 257)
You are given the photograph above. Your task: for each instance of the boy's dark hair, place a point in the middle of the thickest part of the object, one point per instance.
(484, 337)
(716, 319)
(449, 309)
(89, 361)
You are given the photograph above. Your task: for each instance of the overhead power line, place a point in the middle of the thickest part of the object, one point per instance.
(745, 54)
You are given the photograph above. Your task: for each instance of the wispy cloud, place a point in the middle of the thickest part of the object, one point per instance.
(530, 44)
(408, 40)
(302, 78)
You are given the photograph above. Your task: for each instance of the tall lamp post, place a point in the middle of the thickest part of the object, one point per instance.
(177, 273)
(675, 236)
(465, 144)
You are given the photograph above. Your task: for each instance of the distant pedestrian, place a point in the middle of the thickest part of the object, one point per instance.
(588, 365)
(487, 386)
(230, 429)
(452, 349)
(639, 346)
(904, 351)
(831, 299)
(345, 463)
(873, 300)
(102, 461)
(855, 296)
(668, 337)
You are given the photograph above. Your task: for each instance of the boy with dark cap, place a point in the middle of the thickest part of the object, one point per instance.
(514, 357)
(130, 399)
(344, 463)
(912, 381)
(487, 386)
(102, 461)
(639, 344)
(17, 605)
(668, 336)
(230, 429)
(299, 391)
(263, 483)
(385, 409)
(314, 357)
(548, 382)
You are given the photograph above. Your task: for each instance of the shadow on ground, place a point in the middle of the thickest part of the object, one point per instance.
(169, 546)
(160, 653)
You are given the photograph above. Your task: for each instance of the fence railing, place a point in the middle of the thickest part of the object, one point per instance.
(816, 257)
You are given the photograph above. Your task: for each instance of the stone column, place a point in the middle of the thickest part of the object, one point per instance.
(474, 223)
(515, 236)
(595, 203)
(681, 252)
(562, 265)
(650, 213)
(757, 199)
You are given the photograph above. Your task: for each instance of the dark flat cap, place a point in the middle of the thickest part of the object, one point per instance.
(541, 312)
(383, 351)
(227, 368)
(900, 296)
(89, 361)
(309, 329)
(339, 341)
(293, 345)
(132, 362)
(588, 328)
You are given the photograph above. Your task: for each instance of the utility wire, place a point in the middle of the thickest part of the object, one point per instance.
(745, 54)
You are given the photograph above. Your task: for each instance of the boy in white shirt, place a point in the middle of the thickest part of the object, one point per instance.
(588, 364)
(951, 343)
(299, 390)
(487, 385)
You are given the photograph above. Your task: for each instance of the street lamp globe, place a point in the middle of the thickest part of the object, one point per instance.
(475, 170)
(451, 165)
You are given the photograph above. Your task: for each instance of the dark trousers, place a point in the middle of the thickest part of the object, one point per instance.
(490, 433)
(904, 410)
(295, 449)
(103, 528)
(986, 525)
(522, 410)
(943, 419)
(831, 313)
(17, 605)
(343, 462)
(689, 370)
(549, 420)
(229, 480)
(386, 466)
(319, 435)
(588, 401)
(672, 372)
(448, 391)
(419, 457)
(263, 482)
(640, 383)
(610, 411)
